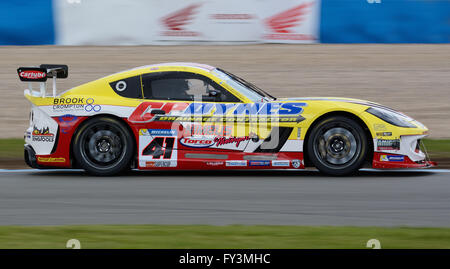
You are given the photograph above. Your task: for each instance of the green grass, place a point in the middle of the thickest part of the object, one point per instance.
(234, 236)
(438, 147)
(13, 147)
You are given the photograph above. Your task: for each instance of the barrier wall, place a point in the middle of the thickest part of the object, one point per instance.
(26, 22)
(138, 22)
(389, 21)
(180, 21)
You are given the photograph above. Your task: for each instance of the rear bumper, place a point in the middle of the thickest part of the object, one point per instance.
(43, 161)
(30, 156)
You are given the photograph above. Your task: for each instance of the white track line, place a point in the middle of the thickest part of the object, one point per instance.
(406, 170)
(364, 169)
(38, 170)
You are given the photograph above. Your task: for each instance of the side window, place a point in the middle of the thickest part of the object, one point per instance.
(184, 86)
(167, 89)
(129, 87)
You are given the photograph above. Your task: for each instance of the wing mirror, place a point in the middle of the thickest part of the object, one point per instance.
(214, 94)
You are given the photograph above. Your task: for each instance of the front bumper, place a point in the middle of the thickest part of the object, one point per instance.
(410, 154)
(391, 161)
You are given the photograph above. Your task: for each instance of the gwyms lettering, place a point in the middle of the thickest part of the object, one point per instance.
(213, 112)
(245, 109)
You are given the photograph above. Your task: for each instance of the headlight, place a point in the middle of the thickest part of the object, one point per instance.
(392, 117)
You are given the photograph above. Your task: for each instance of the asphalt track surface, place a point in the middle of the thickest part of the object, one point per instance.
(371, 198)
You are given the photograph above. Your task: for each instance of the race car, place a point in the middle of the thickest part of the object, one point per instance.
(183, 116)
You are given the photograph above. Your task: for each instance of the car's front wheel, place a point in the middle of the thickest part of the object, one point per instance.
(337, 146)
(103, 146)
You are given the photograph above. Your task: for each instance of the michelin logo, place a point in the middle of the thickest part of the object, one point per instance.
(157, 132)
(392, 158)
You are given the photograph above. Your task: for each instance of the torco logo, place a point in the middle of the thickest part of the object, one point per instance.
(196, 142)
(176, 21)
(32, 74)
(282, 23)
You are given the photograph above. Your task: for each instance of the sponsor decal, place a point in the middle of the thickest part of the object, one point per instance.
(281, 163)
(296, 163)
(379, 127)
(241, 119)
(207, 130)
(90, 106)
(42, 135)
(236, 163)
(75, 104)
(61, 104)
(388, 144)
(157, 164)
(195, 142)
(205, 142)
(33, 74)
(68, 101)
(65, 121)
(245, 109)
(392, 158)
(51, 159)
(242, 16)
(384, 134)
(221, 141)
(214, 163)
(67, 118)
(258, 163)
(157, 132)
(281, 24)
(177, 21)
(213, 112)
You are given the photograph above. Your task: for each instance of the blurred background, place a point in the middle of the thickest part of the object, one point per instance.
(395, 52)
(147, 22)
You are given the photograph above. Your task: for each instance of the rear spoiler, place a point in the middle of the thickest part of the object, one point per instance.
(40, 74)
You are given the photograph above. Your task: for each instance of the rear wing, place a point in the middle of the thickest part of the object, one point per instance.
(40, 74)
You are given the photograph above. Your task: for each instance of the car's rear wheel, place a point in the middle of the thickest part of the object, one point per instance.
(103, 146)
(337, 146)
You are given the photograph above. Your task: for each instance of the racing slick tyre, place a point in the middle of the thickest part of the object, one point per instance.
(103, 146)
(337, 146)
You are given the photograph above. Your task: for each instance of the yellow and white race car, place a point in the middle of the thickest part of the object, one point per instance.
(195, 116)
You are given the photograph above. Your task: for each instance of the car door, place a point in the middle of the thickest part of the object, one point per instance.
(186, 120)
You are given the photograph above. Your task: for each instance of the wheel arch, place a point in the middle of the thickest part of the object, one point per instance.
(75, 133)
(347, 114)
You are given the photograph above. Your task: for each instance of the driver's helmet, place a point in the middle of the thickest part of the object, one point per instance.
(179, 87)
